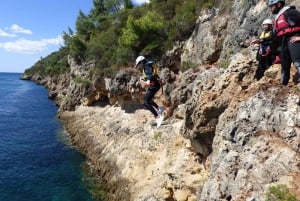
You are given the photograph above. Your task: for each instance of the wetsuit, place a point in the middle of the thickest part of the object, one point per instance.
(149, 74)
(286, 25)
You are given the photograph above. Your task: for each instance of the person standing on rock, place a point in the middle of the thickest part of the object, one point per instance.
(286, 27)
(265, 54)
(153, 82)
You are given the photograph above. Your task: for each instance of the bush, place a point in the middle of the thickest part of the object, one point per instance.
(157, 135)
(81, 80)
(279, 193)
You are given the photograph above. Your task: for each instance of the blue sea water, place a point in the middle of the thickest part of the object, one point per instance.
(35, 162)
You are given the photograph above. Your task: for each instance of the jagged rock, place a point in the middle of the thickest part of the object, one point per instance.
(52, 94)
(256, 145)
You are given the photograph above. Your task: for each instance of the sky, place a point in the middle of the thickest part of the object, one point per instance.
(32, 29)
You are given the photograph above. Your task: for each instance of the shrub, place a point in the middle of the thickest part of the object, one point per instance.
(187, 65)
(157, 135)
(81, 80)
(279, 193)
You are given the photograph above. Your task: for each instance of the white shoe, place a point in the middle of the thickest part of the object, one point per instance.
(159, 120)
(160, 111)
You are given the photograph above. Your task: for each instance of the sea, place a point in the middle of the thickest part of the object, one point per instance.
(37, 162)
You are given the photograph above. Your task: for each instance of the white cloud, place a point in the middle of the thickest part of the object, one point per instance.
(13, 30)
(18, 29)
(5, 34)
(25, 46)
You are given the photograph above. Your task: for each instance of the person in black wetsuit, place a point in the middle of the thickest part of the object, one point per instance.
(152, 81)
(286, 27)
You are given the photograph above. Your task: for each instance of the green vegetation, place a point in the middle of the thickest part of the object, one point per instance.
(157, 135)
(279, 193)
(296, 90)
(81, 80)
(187, 65)
(224, 63)
(54, 64)
(271, 74)
(208, 4)
(196, 170)
(114, 32)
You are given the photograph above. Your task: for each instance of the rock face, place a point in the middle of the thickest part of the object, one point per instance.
(253, 128)
(136, 160)
(226, 136)
(256, 145)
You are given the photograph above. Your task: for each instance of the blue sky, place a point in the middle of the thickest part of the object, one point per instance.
(31, 29)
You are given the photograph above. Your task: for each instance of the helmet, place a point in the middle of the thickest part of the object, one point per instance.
(271, 2)
(139, 59)
(267, 21)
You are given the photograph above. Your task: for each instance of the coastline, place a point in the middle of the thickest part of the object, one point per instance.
(135, 160)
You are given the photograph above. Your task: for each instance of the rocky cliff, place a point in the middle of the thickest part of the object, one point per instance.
(226, 136)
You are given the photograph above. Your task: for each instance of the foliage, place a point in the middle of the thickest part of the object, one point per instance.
(142, 34)
(279, 193)
(157, 135)
(187, 65)
(208, 4)
(54, 64)
(114, 32)
(77, 49)
(224, 63)
(81, 80)
(84, 26)
(185, 19)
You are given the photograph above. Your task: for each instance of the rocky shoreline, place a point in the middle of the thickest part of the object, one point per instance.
(136, 162)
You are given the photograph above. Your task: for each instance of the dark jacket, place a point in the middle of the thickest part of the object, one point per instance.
(287, 22)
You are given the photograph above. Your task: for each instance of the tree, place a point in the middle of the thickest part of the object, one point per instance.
(114, 31)
(113, 6)
(99, 8)
(84, 26)
(77, 49)
(143, 33)
(68, 36)
(128, 4)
